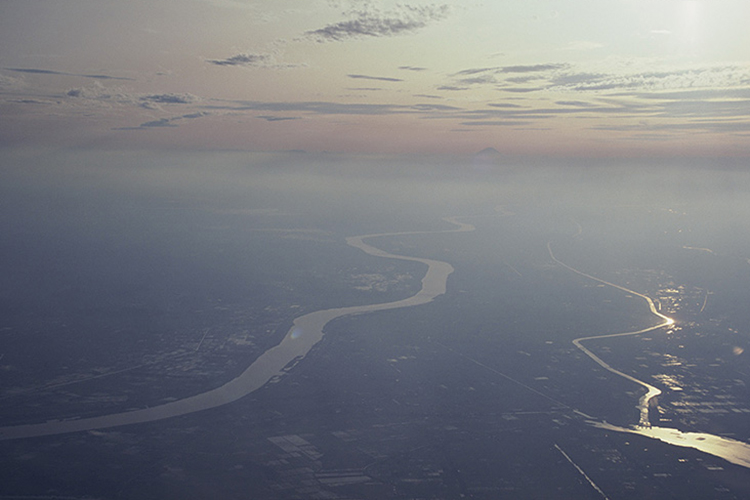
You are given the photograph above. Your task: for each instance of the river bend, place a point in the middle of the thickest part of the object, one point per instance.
(306, 331)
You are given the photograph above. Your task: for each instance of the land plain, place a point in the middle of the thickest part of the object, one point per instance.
(125, 291)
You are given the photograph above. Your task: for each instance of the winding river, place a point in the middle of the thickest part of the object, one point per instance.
(733, 451)
(306, 331)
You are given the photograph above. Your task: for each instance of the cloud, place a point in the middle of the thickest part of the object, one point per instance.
(250, 60)
(474, 71)
(269, 118)
(475, 80)
(379, 78)
(434, 107)
(11, 83)
(489, 75)
(535, 68)
(692, 78)
(575, 79)
(98, 94)
(314, 107)
(706, 126)
(505, 105)
(190, 116)
(32, 101)
(502, 114)
(38, 71)
(412, 68)
(371, 23)
(561, 78)
(523, 79)
(271, 110)
(497, 123)
(171, 98)
(522, 90)
(694, 94)
(165, 122)
(580, 104)
(253, 60)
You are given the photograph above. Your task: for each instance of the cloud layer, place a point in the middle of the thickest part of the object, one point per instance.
(372, 23)
(243, 60)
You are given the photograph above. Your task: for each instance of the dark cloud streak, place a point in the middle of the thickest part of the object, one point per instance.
(165, 122)
(242, 60)
(378, 78)
(269, 118)
(37, 71)
(170, 98)
(536, 68)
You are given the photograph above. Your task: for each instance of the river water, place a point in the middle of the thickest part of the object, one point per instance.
(306, 331)
(736, 452)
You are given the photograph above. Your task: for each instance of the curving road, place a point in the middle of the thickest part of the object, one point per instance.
(306, 331)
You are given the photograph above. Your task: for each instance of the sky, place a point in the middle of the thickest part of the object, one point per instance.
(599, 78)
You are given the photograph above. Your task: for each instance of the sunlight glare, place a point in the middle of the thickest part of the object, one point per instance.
(690, 17)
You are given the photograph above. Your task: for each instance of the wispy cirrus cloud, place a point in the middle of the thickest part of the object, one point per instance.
(372, 23)
(111, 96)
(496, 123)
(529, 68)
(495, 75)
(154, 101)
(37, 71)
(332, 108)
(728, 76)
(452, 88)
(253, 60)
(564, 78)
(243, 59)
(270, 118)
(165, 122)
(534, 68)
(377, 78)
(705, 126)
(11, 83)
(171, 98)
(474, 71)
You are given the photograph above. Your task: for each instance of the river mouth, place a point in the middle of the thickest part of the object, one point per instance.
(733, 451)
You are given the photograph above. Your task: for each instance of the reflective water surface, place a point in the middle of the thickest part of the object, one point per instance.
(736, 452)
(304, 334)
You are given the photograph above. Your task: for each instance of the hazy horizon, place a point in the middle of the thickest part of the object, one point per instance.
(348, 249)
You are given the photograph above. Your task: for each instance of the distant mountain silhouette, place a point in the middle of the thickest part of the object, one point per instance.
(488, 153)
(489, 157)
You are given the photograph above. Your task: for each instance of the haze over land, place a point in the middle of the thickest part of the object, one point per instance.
(354, 249)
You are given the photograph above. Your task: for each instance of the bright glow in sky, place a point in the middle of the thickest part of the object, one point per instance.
(574, 77)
